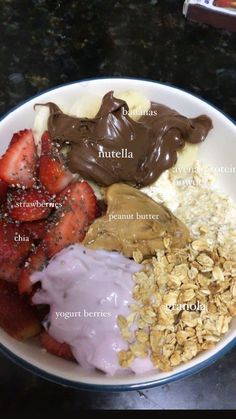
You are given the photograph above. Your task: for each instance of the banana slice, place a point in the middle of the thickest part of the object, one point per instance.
(40, 124)
(137, 102)
(164, 189)
(187, 156)
(87, 106)
(96, 189)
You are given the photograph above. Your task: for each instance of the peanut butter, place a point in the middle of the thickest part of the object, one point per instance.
(134, 221)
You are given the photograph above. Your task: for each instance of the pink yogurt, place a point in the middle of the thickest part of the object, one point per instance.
(86, 290)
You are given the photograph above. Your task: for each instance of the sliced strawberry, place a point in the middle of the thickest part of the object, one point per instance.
(35, 229)
(34, 263)
(9, 272)
(17, 317)
(12, 252)
(52, 173)
(78, 211)
(62, 350)
(224, 3)
(29, 205)
(46, 144)
(17, 165)
(3, 191)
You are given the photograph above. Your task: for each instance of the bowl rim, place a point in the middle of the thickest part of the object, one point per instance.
(118, 78)
(116, 387)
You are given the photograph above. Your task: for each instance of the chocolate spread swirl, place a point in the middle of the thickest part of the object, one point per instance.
(152, 141)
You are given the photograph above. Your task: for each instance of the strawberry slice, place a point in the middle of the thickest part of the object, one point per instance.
(52, 173)
(47, 146)
(62, 350)
(17, 165)
(34, 263)
(79, 209)
(3, 191)
(17, 317)
(12, 253)
(29, 205)
(36, 230)
(9, 273)
(225, 3)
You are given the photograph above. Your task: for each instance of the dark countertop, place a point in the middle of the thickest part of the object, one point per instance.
(45, 43)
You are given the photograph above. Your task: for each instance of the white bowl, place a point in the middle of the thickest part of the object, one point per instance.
(218, 150)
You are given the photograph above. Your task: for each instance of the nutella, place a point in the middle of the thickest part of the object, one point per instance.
(151, 142)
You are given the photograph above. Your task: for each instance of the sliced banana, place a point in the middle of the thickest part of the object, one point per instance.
(40, 124)
(137, 102)
(187, 156)
(96, 189)
(87, 106)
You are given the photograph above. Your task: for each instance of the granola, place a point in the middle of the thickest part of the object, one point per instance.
(185, 300)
